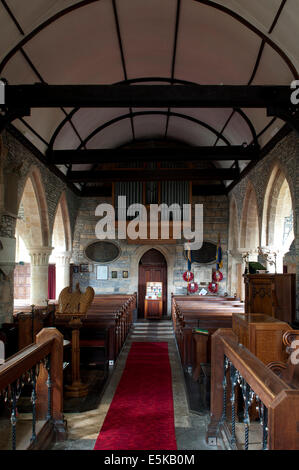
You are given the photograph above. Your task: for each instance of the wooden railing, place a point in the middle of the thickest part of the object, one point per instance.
(276, 401)
(39, 366)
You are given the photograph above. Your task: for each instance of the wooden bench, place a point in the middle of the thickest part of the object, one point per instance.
(202, 312)
(26, 325)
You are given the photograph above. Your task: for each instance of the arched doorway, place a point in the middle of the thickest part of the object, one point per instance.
(152, 268)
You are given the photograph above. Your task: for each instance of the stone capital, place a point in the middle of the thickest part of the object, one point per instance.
(63, 258)
(235, 254)
(40, 255)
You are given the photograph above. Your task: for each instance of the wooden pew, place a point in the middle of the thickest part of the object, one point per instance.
(200, 298)
(27, 323)
(205, 312)
(209, 321)
(197, 301)
(9, 336)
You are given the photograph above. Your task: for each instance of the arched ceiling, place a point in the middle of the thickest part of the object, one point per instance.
(230, 42)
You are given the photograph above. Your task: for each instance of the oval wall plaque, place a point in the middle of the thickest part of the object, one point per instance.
(102, 252)
(206, 254)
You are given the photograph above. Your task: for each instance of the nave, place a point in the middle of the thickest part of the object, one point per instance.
(190, 427)
(149, 159)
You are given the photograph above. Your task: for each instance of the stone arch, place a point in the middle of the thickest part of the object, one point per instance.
(61, 235)
(32, 228)
(278, 210)
(62, 244)
(33, 221)
(249, 227)
(168, 255)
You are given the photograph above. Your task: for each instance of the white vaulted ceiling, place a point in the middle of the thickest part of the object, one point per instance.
(236, 42)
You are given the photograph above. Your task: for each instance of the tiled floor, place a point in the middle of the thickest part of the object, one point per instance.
(190, 428)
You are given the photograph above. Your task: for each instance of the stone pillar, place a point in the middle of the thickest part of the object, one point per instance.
(39, 274)
(63, 260)
(234, 260)
(7, 266)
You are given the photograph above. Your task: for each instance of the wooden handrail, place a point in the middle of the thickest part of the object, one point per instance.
(266, 384)
(280, 399)
(49, 343)
(23, 361)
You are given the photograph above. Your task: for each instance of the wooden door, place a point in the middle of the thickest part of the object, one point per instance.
(152, 268)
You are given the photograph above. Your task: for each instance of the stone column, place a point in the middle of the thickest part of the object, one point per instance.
(63, 260)
(39, 274)
(234, 259)
(7, 266)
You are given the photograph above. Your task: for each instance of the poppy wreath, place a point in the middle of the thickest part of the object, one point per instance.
(213, 287)
(188, 276)
(193, 287)
(217, 276)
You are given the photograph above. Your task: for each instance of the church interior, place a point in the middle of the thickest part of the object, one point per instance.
(139, 340)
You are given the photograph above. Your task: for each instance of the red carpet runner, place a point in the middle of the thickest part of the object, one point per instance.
(141, 415)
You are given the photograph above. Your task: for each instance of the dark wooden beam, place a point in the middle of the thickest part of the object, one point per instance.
(97, 191)
(119, 155)
(165, 174)
(209, 190)
(150, 96)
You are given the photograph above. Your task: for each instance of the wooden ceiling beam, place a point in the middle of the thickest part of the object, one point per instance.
(122, 155)
(149, 96)
(165, 174)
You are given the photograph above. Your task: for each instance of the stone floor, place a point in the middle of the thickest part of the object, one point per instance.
(190, 428)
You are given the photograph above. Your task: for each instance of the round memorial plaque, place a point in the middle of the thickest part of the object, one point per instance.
(102, 251)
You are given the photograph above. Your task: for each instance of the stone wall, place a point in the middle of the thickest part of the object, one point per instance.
(215, 222)
(21, 159)
(286, 155)
(17, 163)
